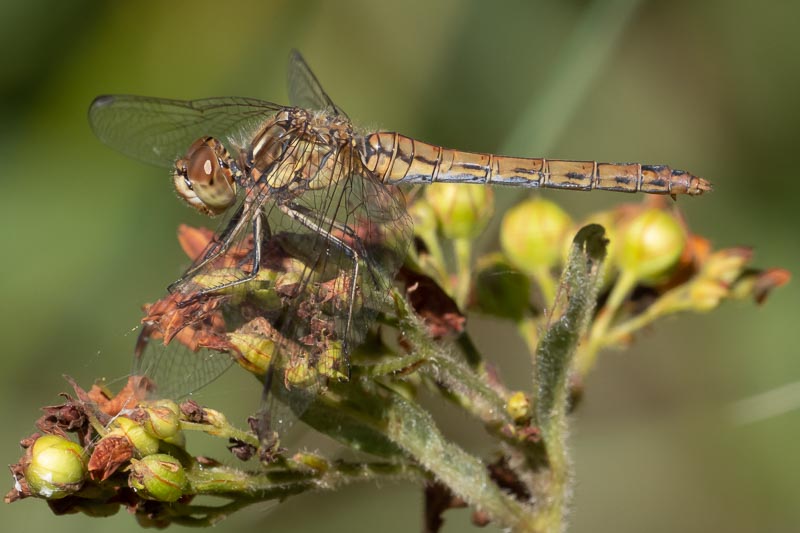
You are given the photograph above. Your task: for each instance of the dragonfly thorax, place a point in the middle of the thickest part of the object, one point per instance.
(293, 150)
(206, 177)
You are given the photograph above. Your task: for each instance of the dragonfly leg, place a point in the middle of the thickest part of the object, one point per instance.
(260, 227)
(304, 217)
(221, 246)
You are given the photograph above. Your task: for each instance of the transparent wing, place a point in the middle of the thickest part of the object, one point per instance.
(328, 254)
(159, 130)
(183, 345)
(180, 368)
(305, 90)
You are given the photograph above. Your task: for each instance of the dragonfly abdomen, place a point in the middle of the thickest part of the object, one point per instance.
(398, 159)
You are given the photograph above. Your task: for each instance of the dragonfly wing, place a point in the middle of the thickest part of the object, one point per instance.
(326, 257)
(347, 235)
(184, 345)
(177, 370)
(305, 90)
(159, 130)
(351, 232)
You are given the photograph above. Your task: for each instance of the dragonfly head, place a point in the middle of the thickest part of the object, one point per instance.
(205, 177)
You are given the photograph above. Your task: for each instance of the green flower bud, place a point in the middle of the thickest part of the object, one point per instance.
(706, 294)
(331, 361)
(163, 419)
(462, 212)
(158, 477)
(299, 373)
(57, 467)
(254, 350)
(424, 217)
(215, 418)
(141, 440)
(519, 407)
(650, 245)
(532, 234)
(312, 461)
(263, 290)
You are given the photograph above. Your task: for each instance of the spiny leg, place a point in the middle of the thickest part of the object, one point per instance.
(301, 215)
(260, 227)
(218, 249)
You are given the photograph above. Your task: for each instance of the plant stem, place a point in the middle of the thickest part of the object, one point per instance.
(463, 256)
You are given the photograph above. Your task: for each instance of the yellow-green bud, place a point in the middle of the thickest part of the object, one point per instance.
(706, 294)
(57, 467)
(299, 373)
(532, 234)
(332, 361)
(141, 440)
(158, 477)
(263, 290)
(255, 350)
(163, 419)
(423, 216)
(651, 244)
(519, 407)
(312, 461)
(462, 212)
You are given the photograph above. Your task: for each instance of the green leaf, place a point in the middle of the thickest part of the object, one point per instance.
(575, 302)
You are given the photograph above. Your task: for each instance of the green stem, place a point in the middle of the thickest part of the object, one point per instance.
(247, 488)
(469, 388)
(463, 255)
(219, 427)
(280, 483)
(414, 430)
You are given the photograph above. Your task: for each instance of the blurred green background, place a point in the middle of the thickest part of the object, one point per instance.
(88, 235)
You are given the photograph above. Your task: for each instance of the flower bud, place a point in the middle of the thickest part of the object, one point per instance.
(462, 212)
(263, 290)
(519, 407)
(423, 216)
(141, 440)
(706, 294)
(312, 461)
(163, 421)
(532, 234)
(158, 477)
(331, 361)
(650, 245)
(254, 349)
(57, 467)
(299, 373)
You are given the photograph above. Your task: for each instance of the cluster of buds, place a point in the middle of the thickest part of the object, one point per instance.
(128, 453)
(132, 454)
(655, 265)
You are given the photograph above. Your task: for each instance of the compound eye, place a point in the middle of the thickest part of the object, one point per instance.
(203, 166)
(202, 179)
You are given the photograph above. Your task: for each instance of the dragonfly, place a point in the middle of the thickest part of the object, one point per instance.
(315, 224)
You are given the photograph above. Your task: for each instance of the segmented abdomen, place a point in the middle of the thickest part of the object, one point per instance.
(397, 159)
